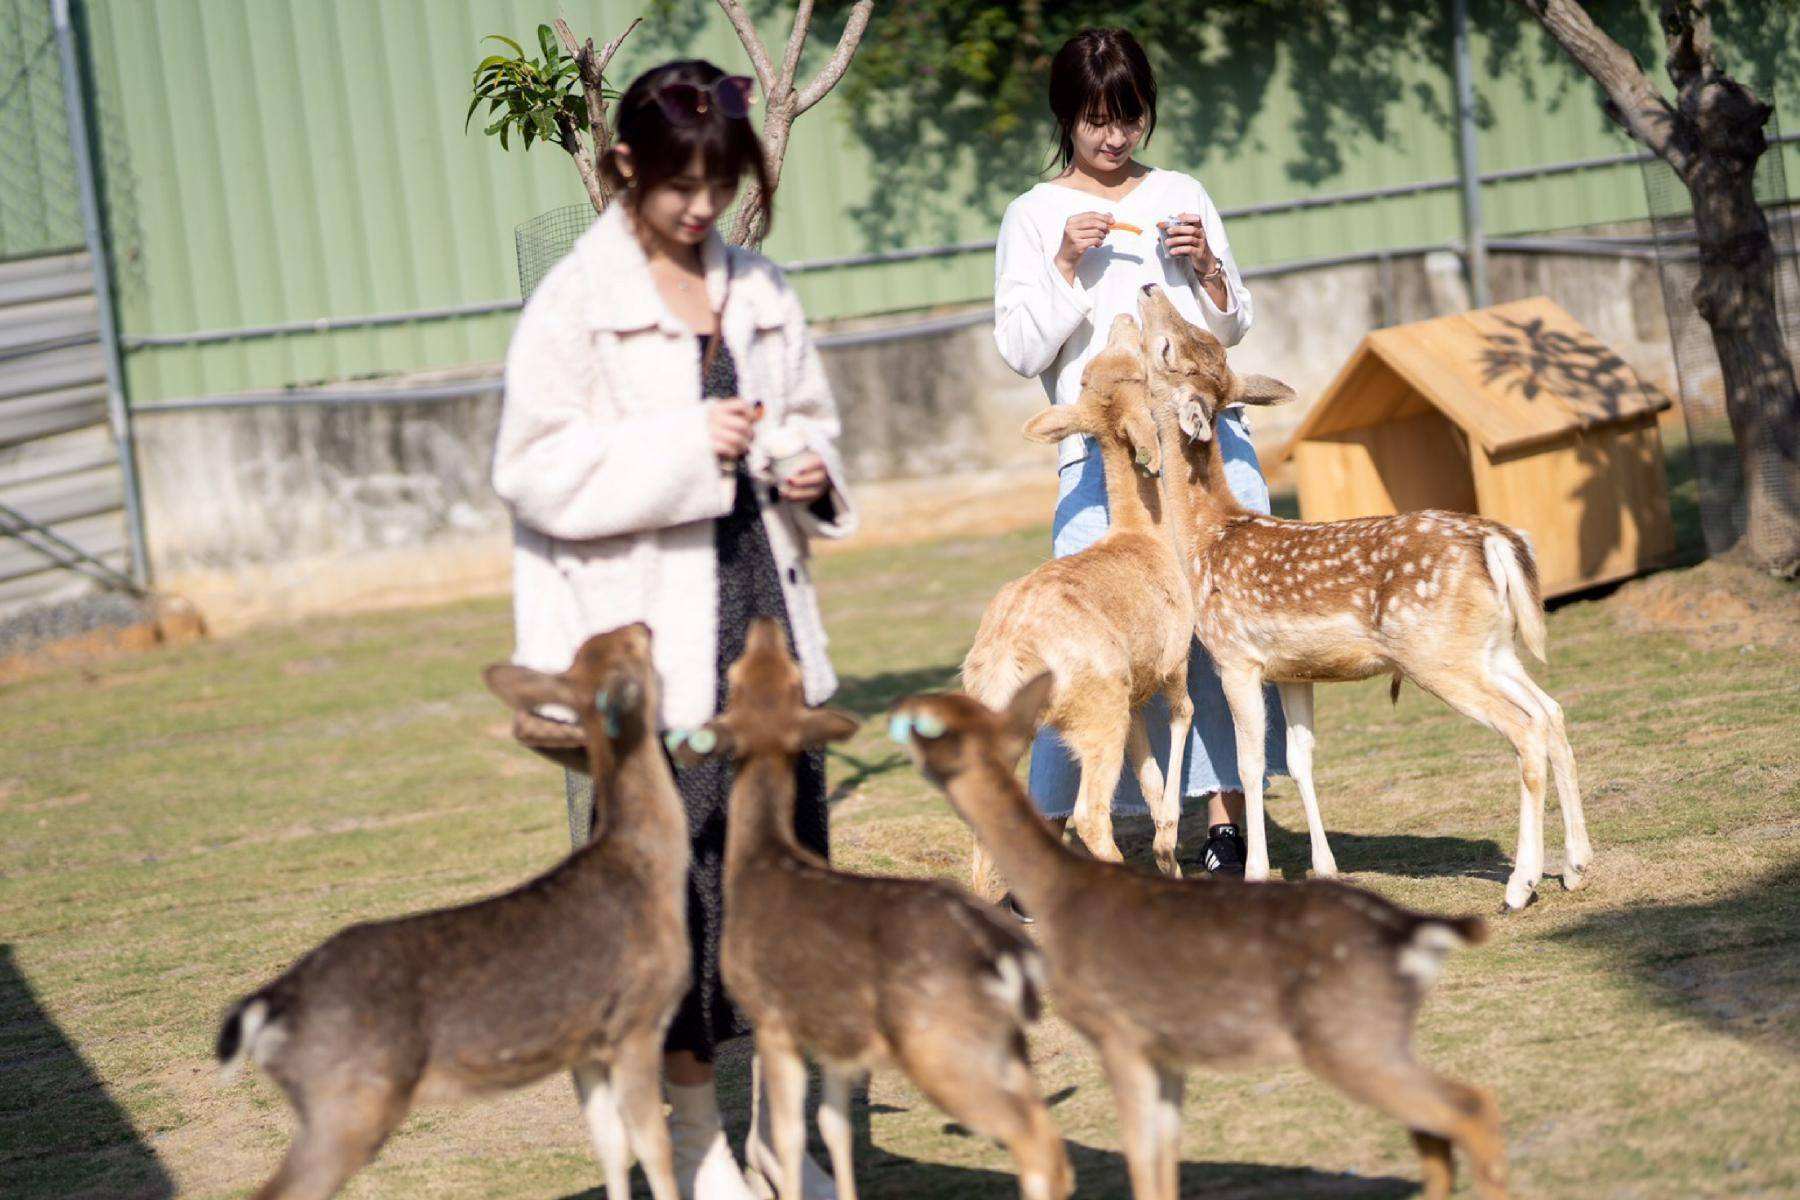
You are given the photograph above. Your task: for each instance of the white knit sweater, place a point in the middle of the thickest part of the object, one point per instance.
(605, 459)
(1050, 328)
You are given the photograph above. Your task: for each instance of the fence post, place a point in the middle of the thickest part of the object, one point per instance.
(1471, 168)
(118, 412)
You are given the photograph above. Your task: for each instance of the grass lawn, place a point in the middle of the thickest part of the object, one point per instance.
(176, 827)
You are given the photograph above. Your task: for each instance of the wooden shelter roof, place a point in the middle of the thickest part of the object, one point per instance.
(1510, 376)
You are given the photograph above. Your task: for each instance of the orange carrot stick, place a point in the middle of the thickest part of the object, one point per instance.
(1121, 225)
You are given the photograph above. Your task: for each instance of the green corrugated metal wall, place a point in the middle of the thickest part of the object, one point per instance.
(270, 161)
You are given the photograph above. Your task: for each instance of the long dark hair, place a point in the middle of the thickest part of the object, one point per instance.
(1100, 75)
(661, 149)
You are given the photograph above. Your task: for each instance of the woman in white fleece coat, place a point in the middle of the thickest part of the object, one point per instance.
(667, 446)
(1073, 253)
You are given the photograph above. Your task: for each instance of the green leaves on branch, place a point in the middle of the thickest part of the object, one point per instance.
(529, 97)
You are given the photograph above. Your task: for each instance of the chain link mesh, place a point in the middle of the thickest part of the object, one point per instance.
(40, 200)
(1718, 469)
(543, 240)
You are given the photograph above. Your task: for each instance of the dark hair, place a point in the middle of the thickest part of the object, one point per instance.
(661, 149)
(1100, 75)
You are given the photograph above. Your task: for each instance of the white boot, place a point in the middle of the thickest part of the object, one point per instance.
(704, 1167)
(760, 1158)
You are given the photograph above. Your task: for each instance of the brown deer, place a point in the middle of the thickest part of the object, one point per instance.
(861, 972)
(1113, 623)
(580, 969)
(1164, 974)
(1435, 597)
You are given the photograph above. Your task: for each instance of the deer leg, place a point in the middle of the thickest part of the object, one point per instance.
(1168, 1114)
(1249, 720)
(984, 877)
(1578, 851)
(1099, 744)
(784, 1082)
(341, 1129)
(1516, 717)
(607, 1127)
(1297, 705)
(982, 1078)
(834, 1128)
(636, 1085)
(1434, 1108)
(1137, 1092)
(1168, 817)
(1150, 783)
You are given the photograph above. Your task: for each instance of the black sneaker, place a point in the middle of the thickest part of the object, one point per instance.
(1224, 852)
(1018, 913)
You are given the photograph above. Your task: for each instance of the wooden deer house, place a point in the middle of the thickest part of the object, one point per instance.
(1515, 412)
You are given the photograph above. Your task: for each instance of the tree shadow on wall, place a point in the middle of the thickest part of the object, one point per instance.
(61, 1132)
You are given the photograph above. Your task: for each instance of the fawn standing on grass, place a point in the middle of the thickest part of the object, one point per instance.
(861, 972)
(1435, 597)
(1163, 974)
(1113, 622)
(580, 969)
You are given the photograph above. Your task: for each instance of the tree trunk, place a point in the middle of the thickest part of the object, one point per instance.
(1736, 298)
(1713, 136)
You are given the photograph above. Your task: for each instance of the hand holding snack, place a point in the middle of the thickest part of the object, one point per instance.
(1081, 233)
(1185, 237)
(729, 424)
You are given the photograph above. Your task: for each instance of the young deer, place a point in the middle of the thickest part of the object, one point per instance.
(580, 969)
(862, 972)
(1435, 597)
(1113, 623)
(1164, 974)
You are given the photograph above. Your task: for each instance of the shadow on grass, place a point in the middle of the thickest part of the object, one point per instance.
(60, 1132)
(1290, 851)
(1732, 963)
(1098, 1173)
(870, 695)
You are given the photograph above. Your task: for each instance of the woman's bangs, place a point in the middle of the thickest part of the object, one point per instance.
(1114, 97)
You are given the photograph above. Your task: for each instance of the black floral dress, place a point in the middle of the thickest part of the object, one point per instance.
(749, 587)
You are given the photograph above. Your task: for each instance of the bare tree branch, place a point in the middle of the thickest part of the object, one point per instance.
(753, 46)
(570, 138)
(833, 70)
(1634, 101)
(790, 62)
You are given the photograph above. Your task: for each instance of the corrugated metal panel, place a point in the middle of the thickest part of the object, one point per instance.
(58, 465)
(334, 178)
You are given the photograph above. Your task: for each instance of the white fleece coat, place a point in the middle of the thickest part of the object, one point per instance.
(606, 462)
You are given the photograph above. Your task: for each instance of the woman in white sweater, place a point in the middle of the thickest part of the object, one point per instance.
(667, 446)
(1074, 252)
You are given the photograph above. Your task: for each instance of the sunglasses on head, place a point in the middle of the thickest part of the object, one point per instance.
(686, 103)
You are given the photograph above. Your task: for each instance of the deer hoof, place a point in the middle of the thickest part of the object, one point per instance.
(1573, 880)
(1510, 905)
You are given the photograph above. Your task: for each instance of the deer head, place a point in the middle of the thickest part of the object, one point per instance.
(1113, 407)
(765, 707)
(947, 733)
(1187, 371)
(611, 688)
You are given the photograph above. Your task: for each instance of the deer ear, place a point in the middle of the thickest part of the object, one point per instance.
(1162, 351)
(1054, 424)
(1140, 431)
(691, 746)
(523, 689)
(821, 725)
(1019, 719)
(1261, 390)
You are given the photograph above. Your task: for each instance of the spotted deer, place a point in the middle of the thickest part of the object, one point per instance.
(858, 971)
(1112, 623)
(1435, 597)
(1163, 974)
(580, 969)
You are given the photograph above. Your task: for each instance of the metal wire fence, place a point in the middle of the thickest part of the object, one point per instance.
(40, 202)
(543, 240)
(1718, 469)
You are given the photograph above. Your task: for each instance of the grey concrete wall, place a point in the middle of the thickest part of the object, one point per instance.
(285, 500)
